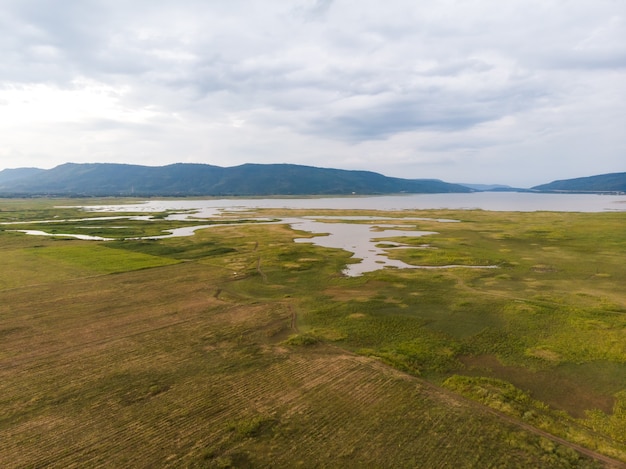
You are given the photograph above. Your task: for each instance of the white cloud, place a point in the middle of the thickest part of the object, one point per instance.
(521, 92)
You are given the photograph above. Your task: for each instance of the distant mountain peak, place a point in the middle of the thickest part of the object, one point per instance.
(611, 182)
(191, 179)
(10, 175)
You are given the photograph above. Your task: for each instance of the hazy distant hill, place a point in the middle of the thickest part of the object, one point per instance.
(488, 187)
(11, 175)
(103, 179)
(613, 182)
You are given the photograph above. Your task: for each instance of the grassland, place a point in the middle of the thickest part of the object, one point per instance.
(239, 348)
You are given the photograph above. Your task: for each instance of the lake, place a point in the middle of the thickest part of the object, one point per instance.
(494, 201)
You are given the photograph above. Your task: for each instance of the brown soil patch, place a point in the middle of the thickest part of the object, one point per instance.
(356, 316)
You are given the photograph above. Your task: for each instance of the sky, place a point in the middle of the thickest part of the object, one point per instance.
(517, 92)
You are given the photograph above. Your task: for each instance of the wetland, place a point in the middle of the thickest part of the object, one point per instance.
(232, 346)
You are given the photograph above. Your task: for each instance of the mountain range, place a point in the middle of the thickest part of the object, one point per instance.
(184, 179)
(612, 182)
(105, 179)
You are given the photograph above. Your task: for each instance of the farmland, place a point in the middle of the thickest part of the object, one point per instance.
(237, 347)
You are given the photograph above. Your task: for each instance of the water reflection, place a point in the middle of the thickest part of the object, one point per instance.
(64, 235)
(494, 201)
(359, 235)
(359, 239)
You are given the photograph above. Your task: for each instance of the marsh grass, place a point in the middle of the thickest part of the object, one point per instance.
(184, 249)
(99, 259)
(236, 345)
(553, 307)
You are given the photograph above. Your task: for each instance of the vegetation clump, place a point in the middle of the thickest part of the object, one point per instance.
(236, 345)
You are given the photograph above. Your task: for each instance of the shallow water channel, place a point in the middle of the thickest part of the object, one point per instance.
(362, 236)
(363, 240)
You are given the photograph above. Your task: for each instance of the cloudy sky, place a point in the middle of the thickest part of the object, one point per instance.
(517, 92)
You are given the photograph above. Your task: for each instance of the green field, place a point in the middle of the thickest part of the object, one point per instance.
(237, 347)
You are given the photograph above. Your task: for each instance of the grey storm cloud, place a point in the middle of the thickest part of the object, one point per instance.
(341, 83)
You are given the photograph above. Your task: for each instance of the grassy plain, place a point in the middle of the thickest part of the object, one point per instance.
(239, 348)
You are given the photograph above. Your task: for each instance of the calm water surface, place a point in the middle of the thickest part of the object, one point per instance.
(361, 239)
(495, 201)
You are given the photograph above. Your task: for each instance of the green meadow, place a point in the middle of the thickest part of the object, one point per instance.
(238, 347)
